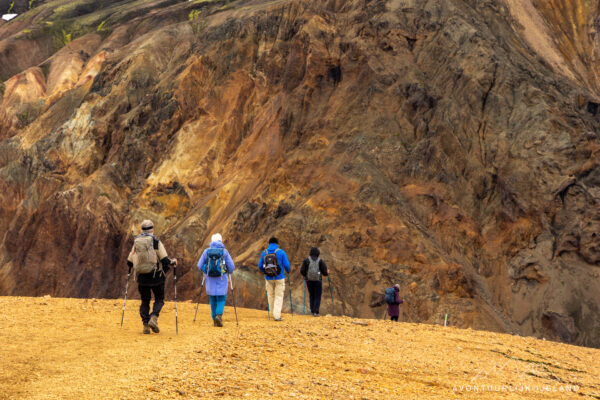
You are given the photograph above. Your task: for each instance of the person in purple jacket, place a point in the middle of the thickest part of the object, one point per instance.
(394, 309)
(216, 286)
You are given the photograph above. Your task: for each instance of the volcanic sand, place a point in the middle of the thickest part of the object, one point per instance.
(75, 349)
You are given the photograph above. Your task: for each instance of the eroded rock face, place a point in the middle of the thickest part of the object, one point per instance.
(432, 144)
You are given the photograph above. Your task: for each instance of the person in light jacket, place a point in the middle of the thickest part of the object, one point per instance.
(216, 286)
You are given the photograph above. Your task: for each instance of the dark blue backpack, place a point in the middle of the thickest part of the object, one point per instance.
(390, 295)
(215, 264)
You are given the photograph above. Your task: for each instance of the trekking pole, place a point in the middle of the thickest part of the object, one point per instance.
(331, 292)
(233, 292)
(175, 287)
(200, 295)
(125, 301)
(304, 299)
(290, 285)
(268, 308)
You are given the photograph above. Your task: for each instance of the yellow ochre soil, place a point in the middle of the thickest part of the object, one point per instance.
(75, 349)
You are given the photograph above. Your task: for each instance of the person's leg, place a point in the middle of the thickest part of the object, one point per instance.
(213, 306)
(278, 302)
(159, 299)
(221, 304)
(219, 307)
(145, 295)
(310, 285)
(270, 285)
(318, 293)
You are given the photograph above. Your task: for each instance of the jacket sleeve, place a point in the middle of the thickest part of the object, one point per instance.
(162, 255)
(229, 262)
(323, 268)
(202, 260)
(261, 262)
(286, 262)
(304, 267)
(398, 299)
(130, 258)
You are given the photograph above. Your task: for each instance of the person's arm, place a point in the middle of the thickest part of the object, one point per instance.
(323, 268)
(398, 299)
(163, 257)
(202, 261)
(130, 259)
(229, 262)
(286, 262)
(261, 262)
(304, 268)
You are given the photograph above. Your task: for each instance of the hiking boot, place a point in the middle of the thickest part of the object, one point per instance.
(146, 330)
(153, 324)
(214, 322)
(277, 319)
(218, 321)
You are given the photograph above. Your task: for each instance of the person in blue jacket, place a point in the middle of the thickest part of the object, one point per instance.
(216, 286)
(274, 264)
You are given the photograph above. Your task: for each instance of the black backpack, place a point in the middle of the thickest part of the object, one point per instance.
(390, 295)
(271, 264)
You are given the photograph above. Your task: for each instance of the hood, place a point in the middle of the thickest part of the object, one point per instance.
(314, 252)
(272, 247)
(217, 245)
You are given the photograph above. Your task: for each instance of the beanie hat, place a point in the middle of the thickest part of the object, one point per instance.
(273, 240)
(216, 238)
(147, 225)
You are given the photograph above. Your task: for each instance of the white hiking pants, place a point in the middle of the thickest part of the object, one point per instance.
(275, 290)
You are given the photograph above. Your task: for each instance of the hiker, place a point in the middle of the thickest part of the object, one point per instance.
(313, 268)
(150, 262)
(216, 265)
(272, 259)
(392, 298)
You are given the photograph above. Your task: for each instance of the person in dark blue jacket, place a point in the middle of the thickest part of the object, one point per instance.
(274, 264)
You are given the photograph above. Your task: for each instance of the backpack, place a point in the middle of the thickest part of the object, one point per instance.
(215, 266)
(314, 272)
(271, 264)
(390, 295)
(145, 259)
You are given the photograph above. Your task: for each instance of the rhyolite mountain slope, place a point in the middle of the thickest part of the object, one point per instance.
(449, 146)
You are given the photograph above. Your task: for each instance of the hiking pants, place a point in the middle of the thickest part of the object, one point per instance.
(217, 305)
(275, 289)
(146, 295)
(315, 289)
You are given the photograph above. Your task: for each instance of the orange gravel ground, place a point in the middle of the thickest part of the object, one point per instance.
(75, 349)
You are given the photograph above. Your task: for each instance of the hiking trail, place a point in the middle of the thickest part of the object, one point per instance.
(58, 348)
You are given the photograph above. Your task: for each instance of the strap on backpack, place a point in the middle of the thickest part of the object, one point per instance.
(159, 267)
(275, 252)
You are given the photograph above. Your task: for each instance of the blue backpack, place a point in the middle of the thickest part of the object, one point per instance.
(215, 266)
(390, 295)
